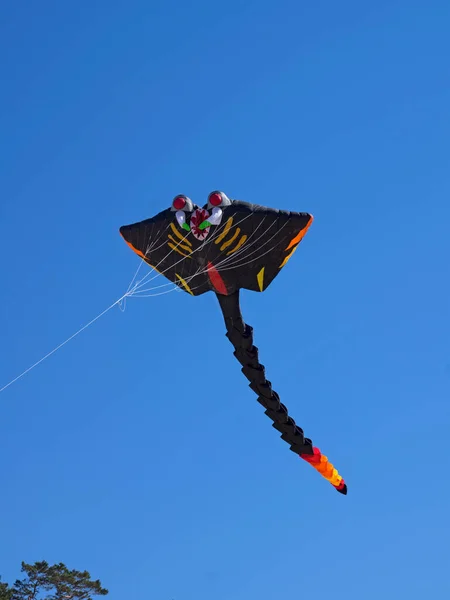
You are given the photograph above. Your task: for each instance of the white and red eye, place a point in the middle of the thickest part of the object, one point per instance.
(218, 199)
(182, 202)
(215, 199)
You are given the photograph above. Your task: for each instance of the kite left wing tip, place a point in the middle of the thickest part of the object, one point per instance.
(123, 232)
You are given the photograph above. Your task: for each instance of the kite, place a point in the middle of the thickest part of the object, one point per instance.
(225, 246)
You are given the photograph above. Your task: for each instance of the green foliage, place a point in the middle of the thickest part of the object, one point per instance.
(5, 591)
(52, 582)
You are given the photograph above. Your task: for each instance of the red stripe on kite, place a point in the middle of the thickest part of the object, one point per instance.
(216, 280)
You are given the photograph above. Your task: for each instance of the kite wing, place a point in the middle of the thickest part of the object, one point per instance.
(225, 246)
(246, 246)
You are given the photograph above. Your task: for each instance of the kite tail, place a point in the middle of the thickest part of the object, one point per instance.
(241, 336)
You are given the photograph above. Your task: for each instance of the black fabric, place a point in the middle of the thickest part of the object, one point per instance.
(265, 233)
(241, 336)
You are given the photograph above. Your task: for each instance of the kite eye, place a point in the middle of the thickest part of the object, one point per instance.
(216, 199)
(182, 202)
(179, 203)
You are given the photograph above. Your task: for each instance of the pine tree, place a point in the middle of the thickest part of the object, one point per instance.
(52, 582)
(5, 591)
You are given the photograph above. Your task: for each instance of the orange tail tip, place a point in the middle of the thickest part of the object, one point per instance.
(321, 463)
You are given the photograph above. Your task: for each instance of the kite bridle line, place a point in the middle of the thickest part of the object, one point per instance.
(136, 292)
(231, 265)
(209, 240)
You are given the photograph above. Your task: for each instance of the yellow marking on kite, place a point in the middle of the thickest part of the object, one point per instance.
(288, 257)
(177, 250)
(240, 243)
(179, 244)
(301, 234)
(231, 240)
(184, 284)
(179, 235)
(260, 278)
(225, 231)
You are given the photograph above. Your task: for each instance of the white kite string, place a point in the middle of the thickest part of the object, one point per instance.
(62, 344)
(131, 291)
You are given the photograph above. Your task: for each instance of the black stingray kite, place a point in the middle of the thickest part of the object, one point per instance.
(222, 247)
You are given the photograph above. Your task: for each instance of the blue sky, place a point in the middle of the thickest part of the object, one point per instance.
(128, 452)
